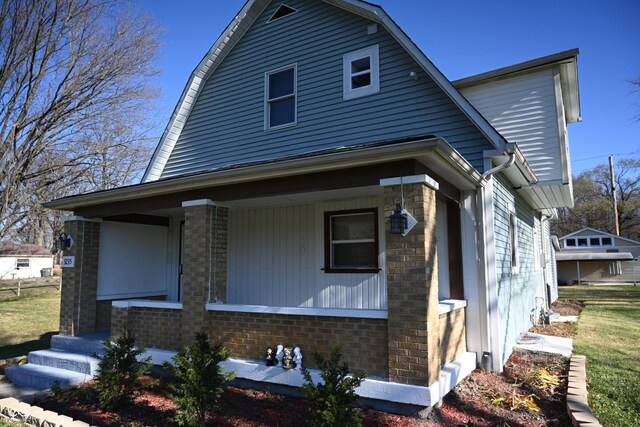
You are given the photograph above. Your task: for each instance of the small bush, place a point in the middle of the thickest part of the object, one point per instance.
(332, 401)
(119, 373)
(199, 380)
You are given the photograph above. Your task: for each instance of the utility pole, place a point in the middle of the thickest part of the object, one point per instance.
(614, 196)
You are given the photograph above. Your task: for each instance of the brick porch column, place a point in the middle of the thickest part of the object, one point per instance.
(204, 263)
(80, 283)
(412, 284)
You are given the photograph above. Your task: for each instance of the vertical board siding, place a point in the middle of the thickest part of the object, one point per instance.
(276, 255)
(226, 124)
(517, 292)
(524, 110)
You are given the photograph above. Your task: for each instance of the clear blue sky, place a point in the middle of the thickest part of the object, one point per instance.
(467, 37)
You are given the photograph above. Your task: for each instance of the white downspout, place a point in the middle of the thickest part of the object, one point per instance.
(488, 174)
(492, 356)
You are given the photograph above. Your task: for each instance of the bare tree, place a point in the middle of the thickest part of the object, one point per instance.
(592, 194)
(73, 92)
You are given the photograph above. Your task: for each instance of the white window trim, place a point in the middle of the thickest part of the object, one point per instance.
(329, 266)
(513, 241)
(537, 253)
(267, 100)
(373, 53)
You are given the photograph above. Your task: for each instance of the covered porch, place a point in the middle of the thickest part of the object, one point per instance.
(286, 259)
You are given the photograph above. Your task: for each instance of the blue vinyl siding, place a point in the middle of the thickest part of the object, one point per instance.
(226, 124)
(517, 292)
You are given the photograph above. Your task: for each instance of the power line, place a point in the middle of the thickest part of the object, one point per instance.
(605, 156)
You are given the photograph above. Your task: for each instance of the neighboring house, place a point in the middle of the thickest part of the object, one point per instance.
(263, 216)
(24, 261)
(594, 256)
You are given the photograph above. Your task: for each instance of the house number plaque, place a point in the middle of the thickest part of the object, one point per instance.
(68, 261)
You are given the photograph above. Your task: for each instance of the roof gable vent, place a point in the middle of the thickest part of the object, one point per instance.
(282, 11)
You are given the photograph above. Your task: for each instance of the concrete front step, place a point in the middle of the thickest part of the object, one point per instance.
(85, 344)
(75, 362)
(69, 362)
(44, 377)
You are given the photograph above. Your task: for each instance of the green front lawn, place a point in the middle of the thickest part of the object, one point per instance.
(608, 334)
(28, 321)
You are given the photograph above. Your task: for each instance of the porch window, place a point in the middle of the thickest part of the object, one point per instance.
(22, 263)
(351, 241)
(280, 98)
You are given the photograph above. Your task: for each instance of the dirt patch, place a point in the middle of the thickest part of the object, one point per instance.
(560, 329)
(567, 307)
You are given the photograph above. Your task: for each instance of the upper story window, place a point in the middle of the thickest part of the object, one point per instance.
(22, 263)
(280, 97)
(360, 73)
(351, 241)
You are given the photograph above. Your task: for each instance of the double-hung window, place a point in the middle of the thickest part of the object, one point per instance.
(280, 98)
(360, 73)
(22, 263)
(351, 241)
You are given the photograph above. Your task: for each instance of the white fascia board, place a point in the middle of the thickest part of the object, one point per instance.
(225, 42)
(435, 147)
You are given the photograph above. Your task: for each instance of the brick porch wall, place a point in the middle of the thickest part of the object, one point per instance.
(452, 335)
(103, 311)
(412, 289)
(247, 336)
(152, 327)
(80, 283)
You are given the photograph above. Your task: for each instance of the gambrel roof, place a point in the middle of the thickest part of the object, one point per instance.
(241, 24)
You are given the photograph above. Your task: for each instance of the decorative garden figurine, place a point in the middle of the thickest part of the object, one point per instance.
(287, 359)
(280, 353)
(297, 357)
(270, 358)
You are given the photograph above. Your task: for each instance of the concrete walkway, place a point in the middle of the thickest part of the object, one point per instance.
(24, 394)
(548, 344)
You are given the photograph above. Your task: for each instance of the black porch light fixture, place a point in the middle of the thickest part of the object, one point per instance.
(63, 242)
(398, 220)
(401, 221)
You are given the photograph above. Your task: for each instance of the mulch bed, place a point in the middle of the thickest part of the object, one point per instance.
(481, 399)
